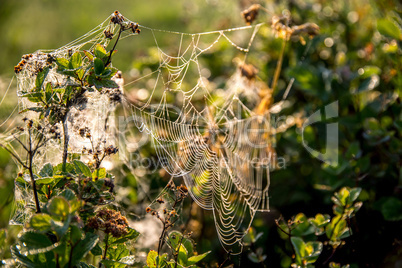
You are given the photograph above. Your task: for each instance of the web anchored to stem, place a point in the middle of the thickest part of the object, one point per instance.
(223, 147)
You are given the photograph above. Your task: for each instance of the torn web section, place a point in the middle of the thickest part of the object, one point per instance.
(24, 204)
(38, 81)
(91, 122)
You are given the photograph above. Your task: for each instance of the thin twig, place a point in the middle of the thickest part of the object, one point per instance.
(14, 156)
(278, 66)
(114, 46)
(227, 258)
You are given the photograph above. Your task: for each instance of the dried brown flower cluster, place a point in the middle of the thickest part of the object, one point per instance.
(118, 18)
(280, 25)
(251, 13)
(180, 193)
(109, 221)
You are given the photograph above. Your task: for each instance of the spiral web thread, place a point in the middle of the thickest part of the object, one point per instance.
(223, 151)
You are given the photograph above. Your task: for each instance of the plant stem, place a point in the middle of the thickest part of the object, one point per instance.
(114, 46)
(278, 66)
(228, 257)
(30, 162)
(71, 255)
(65, 147)
(106, 248)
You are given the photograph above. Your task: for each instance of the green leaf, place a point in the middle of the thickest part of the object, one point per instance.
(96, 250)
(84, 265)
(117, 252)
(32, 240)
(23, 259)
(60, 227)
(44, 181)
(62, 63)
(99, 66)
(391, 209)
(48, 92)
(370, 70)
(59, 207)
(82, 168)
(319, 222)
(151, 259)
(68, 195)
(41, 222)
(131, 235)
(89, 55)
(3, 236)
(100, 51)
(302, 226)
(337, 229)
(182, 257)
(46, 171)
(313, 251)
(388, 28)
(299, 247)
(75, 234)
(123, 262)
(83, 247)
(40, 78)
(34, 97)
(75, 61)
(354, 194)
(197, 258)
(99, 174)
(58, 170)
(369, 83)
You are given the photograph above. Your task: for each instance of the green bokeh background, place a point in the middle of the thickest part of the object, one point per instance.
(369, 120)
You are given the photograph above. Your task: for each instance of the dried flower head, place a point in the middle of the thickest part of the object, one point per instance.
(109, 221)
(251, 13)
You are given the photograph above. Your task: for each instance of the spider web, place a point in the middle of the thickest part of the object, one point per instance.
(222, 149)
